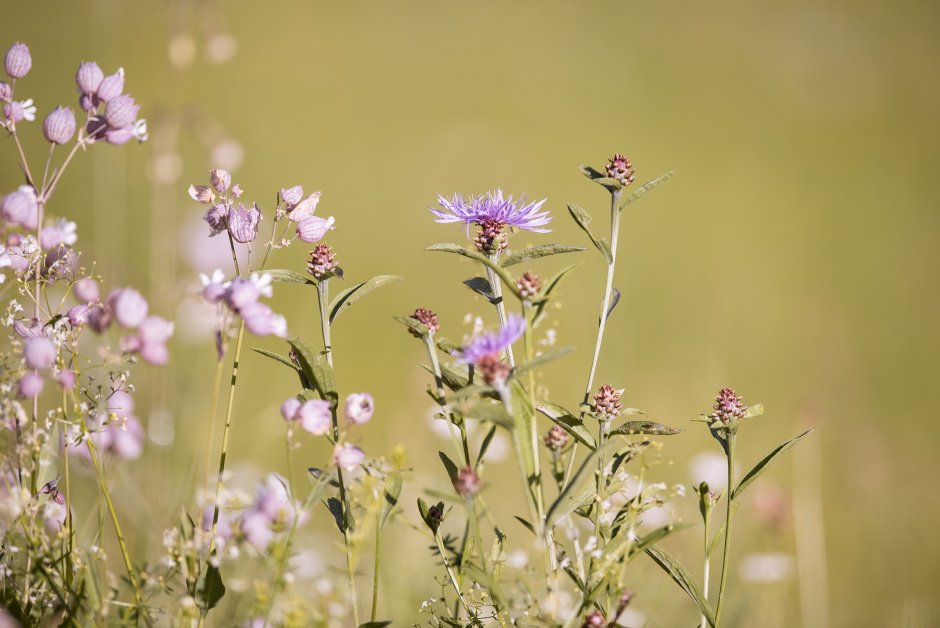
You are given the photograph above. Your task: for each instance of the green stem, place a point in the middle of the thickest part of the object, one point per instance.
(445, 407)
(375, 565)
(729, 515)
(450, 572)
(323, 299)
(213, 411)
(497, 287)
(707, 569)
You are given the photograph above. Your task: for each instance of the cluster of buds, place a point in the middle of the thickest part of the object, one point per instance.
(607, 404)
(728, 406)
(427, 318)
(299, 209)
(112, 114)
(241, 296)
(556, 438)
(322, 262)
(240, 222)
(467, 483)
(529, 285)
(491, 240)
(620, 169)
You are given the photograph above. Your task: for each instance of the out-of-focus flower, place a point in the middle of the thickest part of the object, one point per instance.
(62, 232)
(150, 340)
(313, 228)
(17, 111)
(88, 77)
(304, 208)
(79, 315)
(711, 468)
(262, 321)
(28, 328)
(86, 290)
(220, 179)
(216, 217)
(314, 416)
(528, 285)
(214, 288)
(223, 526)
(347, 456)
(66, 379)
(129, 307)
(273, 511)
(289, 409)
(21, 207)
(359, 408)
(467, 483)
(483, 351)
(202, 194)
(557, 438)
(766, 568)
(594, 619)
(39, 352)
(18, 61)
(59, 125)
(31, 385)
(243, 223)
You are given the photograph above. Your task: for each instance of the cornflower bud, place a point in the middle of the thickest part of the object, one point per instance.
(556, 438)
(607, 404)
(528, 285)
(620, 168)
(728, 406)
(322, 261)
(427, 318)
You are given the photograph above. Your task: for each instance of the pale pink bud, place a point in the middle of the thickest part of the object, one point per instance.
(111, 86)
(88, 77)
(313, 228)
(236, 191)
(304, 208)
(289, 409)
(201, 194)
(241, 292)
(18, 61)
(129, 306)
(39, 352)
(59, 125)
(220, 179)
(155, 353)
(359, 408)
(121, 111)
(292, 195)
(31, 385)
(86, 290)
(348, 457)
(314, 416)
(243, 223)
(66, 379)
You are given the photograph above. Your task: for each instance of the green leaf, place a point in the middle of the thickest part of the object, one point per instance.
(481, 286)
(761, 466)
(284, 275)
(579, 491)
(583, 219)
(541, 359)
(507, 279)
(644, 427)
(347, 297)
(488, 411)
(412, 324)
(449, 466)
(543, 250)
(525, 523)
(600, 178)
(393, 484)
(752, 411)
(209, 588)
(568, 422)
(376, 624)
(644, 189)
(683, 578)
(314, 365)
(615, 549)
(276, 357)
(425, 511)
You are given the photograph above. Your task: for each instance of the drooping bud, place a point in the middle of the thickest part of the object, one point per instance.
(220, 180)
(322, 261)
(243, 223)
(216, 217)
(528, 285)
(290, 408)
(620, 168)
(467, 483)
(427, 318)
(18, 61)
(121, 112)
(607, 404)
(557, 438)
(88, 77)
(111, 86)
(312, 228)
(728, 406)
(59, 125)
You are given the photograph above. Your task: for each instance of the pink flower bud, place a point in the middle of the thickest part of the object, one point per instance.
(243, 223)
(359, 408)
(31, 385)
(155, 353)
(121, 111)
(86, 290)
(111, 86)
(236, 191)
(290, 408)
(59, 125)
(315, 417)
(129, 306)
(120, 404)
(291, 196)
(348, 457)
(39, 352)
(220, 180)
(201, 194)
(88, 77)
(98, 317)
(18, 61)
(304, 208)
(313, 228)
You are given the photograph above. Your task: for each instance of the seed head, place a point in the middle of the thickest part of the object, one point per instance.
(728, 406)
(322, 261)
(59, 125)
(467, 483)
(620, 168)
(435, 516)
(427, 318)
(18, 61)
(556, 438)
(528, 285)
(607, 404)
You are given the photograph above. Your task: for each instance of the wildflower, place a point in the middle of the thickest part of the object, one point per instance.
(322, 261)
(150, 340)
(21, 207)
(303, 209)
(347, 456)
(290, 408)
(220, 180)
(528, 285)
(79, 315)
(315, 416)
(6, 91)
(18, 111)
(492, 208)
(214, 288)
(31, 385)
(467, 483)
(273, 511)
(215, 217)
(17, 61)
(66, 379)
(129, 307)
(556, 438)
(427, 318)
(262, 321)
(88, 77)
(728, 406)
(39, 352)
(291, 196)
(483, 351)
(51, 489)
(607, 404)
(111, 86)
(62, 232)
(312, 228)
(59, 125)
(86, 290)
(620, 168)
(28, 328)
(121, 112)
(203, 194)
(359, 408)
(243, 223)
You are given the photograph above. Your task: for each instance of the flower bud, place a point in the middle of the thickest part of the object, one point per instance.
(236, 191)
(99, 317)
(467, 483)
(427, 318)
(78, 315)
(20, 207)
(607, 404)
(88, 77)
(620, 168)
(728, 406)
(66, 379)
(304, 208)
(528, 285)
(322, 261)
(359, 408)
(594, 619)
(6, 91)
(39, 352)
(86, 290)
(31, 385)
(17, 61)
(557, 438)
(290, 408)
(88, 102)
(111, 86)
(121, 111)
(129, 306)
(291, 196)
(220, 180)
(313, 228)
(59, 125)
(243, 223)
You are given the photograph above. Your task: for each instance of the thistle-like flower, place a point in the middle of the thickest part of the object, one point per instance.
(607, 404)
(483, 351)
(620, 168)
(427, 318)
(528, 285)
(322, 261)
(492, 213)
(728, 406)
(556, 438)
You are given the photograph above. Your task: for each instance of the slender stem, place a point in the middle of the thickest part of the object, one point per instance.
(323, 299)
(445, 407)
(214, 409)
(23, 161)
(729, 515)
(707, 569)
(450, 572)
(497, 287)
(375, 565)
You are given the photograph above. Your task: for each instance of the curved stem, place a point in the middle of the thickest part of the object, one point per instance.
(729, 515)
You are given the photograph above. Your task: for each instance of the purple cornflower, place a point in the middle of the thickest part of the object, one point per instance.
(483, 351)
(492, 213)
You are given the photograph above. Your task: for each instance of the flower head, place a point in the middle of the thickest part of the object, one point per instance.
(492, 207)
(728, 406)
(311, 229)
(359, 408)
(322, 261)
(243, 223)
(39, 352)
(427, 318)
(528, 285)
(88, 77)
(492, 344)
(620, 168)
(607, 404)
(557, 438)
(121, 112)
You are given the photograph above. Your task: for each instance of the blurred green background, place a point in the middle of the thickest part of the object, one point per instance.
(793, 256)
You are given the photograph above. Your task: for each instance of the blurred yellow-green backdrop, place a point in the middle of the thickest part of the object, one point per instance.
(794, 255)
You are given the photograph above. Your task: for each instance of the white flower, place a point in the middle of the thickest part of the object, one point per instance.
(262, 282)
(140, 130)
(29, 109)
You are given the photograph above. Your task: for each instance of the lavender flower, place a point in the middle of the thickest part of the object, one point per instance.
(59, 125)
(86, 290)
(39, 352)
(483, 351)
(21, 207)
(66, 379)
(129, 307)
(359, 408)
(150, 340)
(61, 233)
(313, 228)
(243, 223)
(303, 209)
(17, 61)
(347, 456)
(315, 417)
(216, 217)
(88, 77)
(262, 321)
(292, 195)
(273, 511)
(121, 112)
(220, 179)
(290, 408)
(17, 111)
(492, 213)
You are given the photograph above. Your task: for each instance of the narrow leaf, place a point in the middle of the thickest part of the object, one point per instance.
(644, 427)
(644, 189)
(525, 523)
(289, 276)
(683, 578)
(543, 250)
(761, 466)
(481, 286)
(614, 300)
(390, 495)
(346, 298)
(315, 367)
(448, 465)
(376, 624)
(489, 411)
(568, 422)
(507, 279)
(276, 357)
(541, 359)
(600, 178)
(583, 219)
(412, 324)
